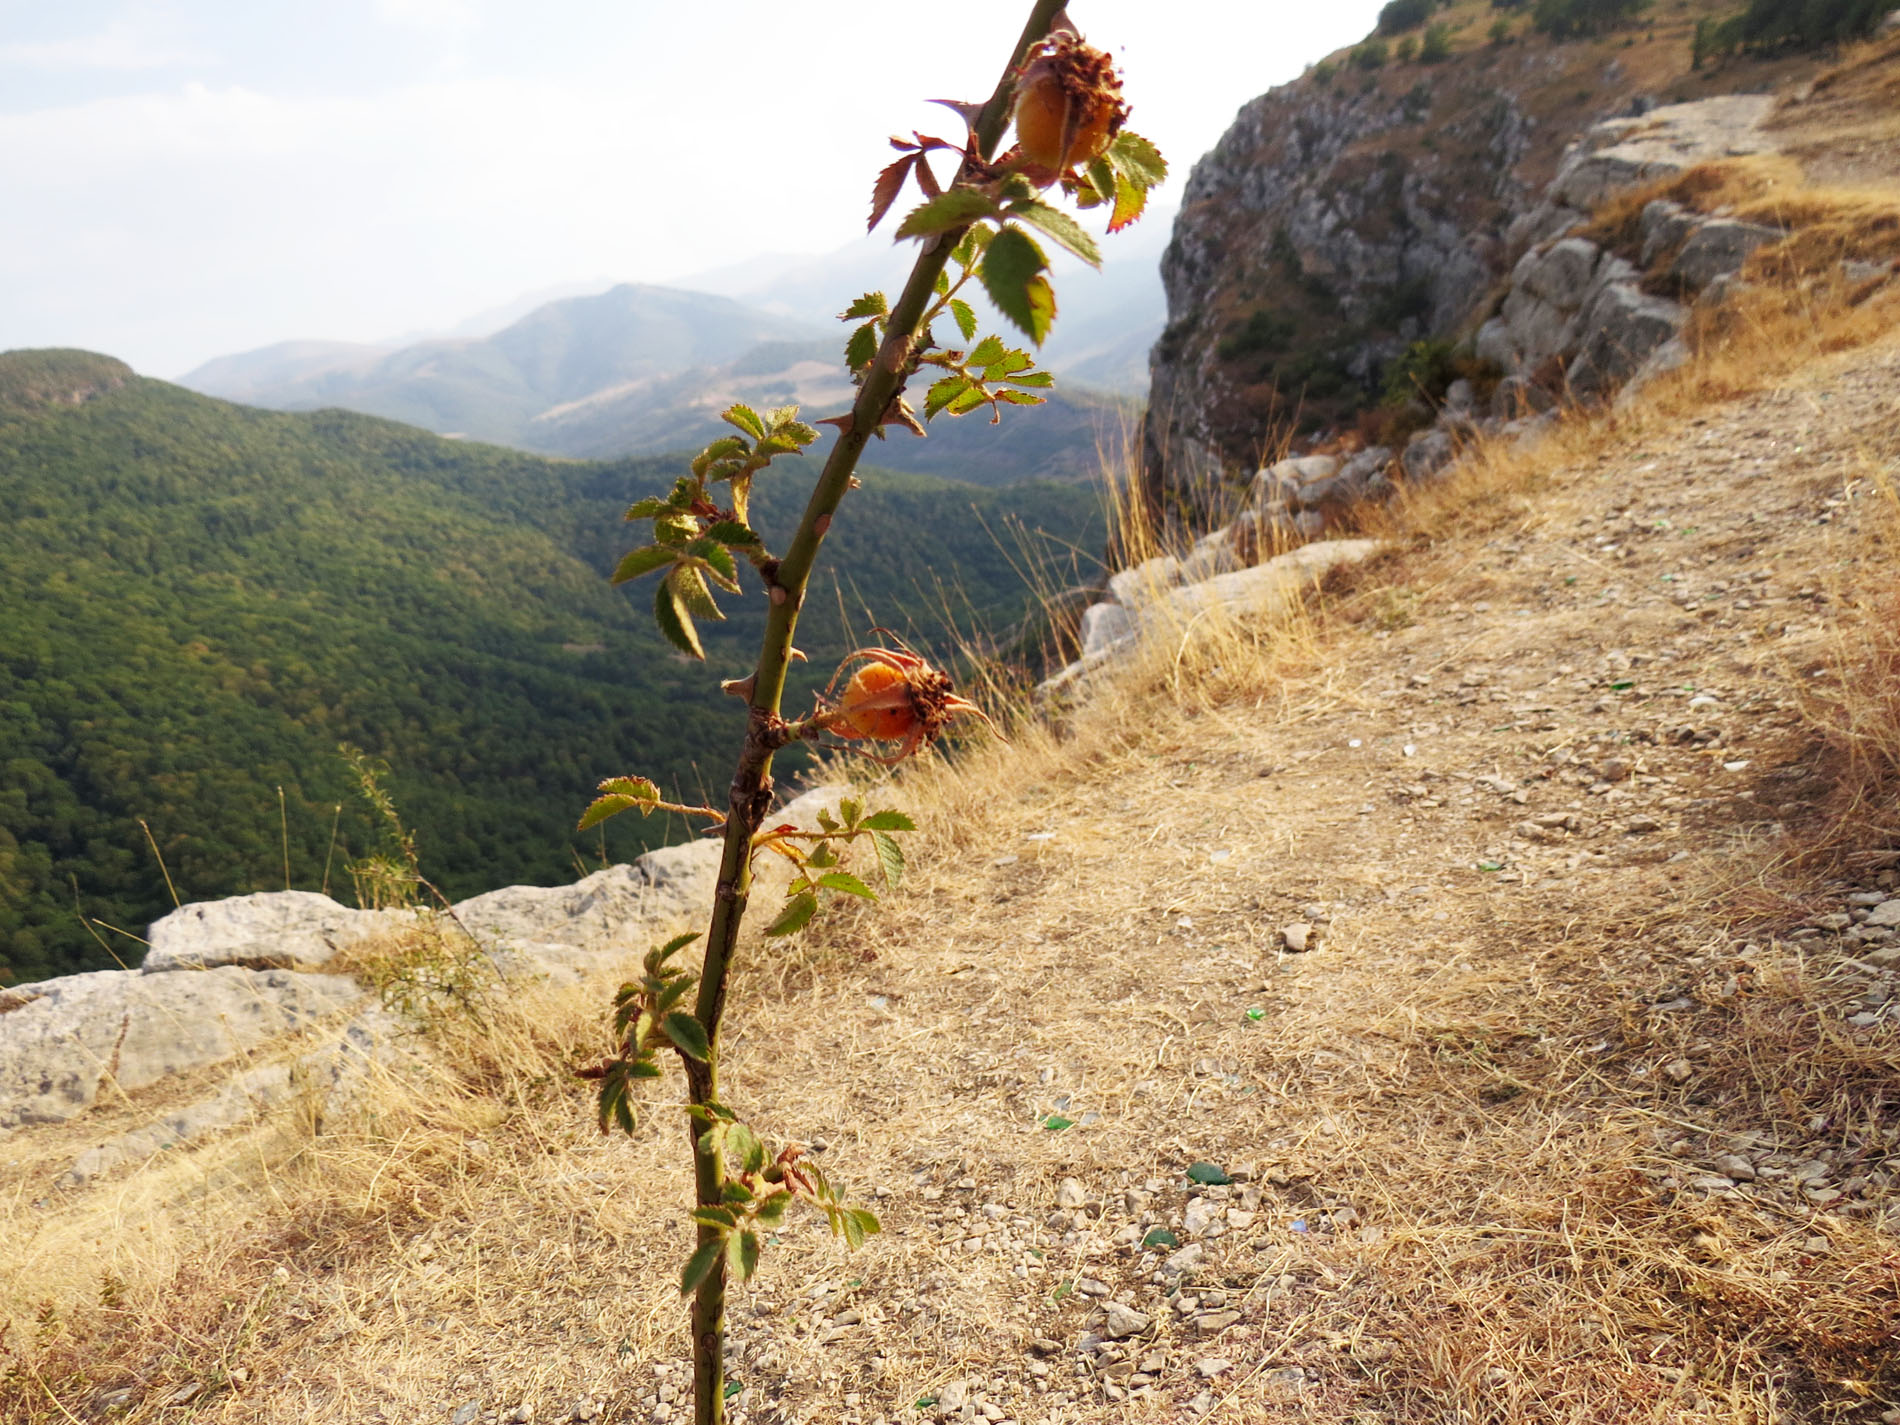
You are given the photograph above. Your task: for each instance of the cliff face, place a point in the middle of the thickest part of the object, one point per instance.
(1354, 211)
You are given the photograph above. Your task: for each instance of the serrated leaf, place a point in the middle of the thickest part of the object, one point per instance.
(772, 1210)
(745, 418)
(642, 561)
(723, 1218)
(942, 285)
(1207, 1175)
(724, 448)
(945, 213)
(1061, 228)
(943, 392)
(848, 883)
(1031, 378)
(742, 1255)
(798, 433)
(732, 534)
(965, 316)
(675, 528)
(888, 821)
(986, 351)
(1038, 310)
(850, 811)
(871, 304)
(675, 945)
(700, 1265)
(1018, 398)
(796, 915)
(890, 182)
(861, 349)
(646, 509)
(719, 563)
(968, 400)
(745, 1147)
(674, 622)
(890, 857)
(688, 1035)
(619, 794)
(1134, 157)
(973, 245)
(690, 585)
(616, 1103)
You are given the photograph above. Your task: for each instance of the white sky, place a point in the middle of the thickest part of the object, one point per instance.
(182, 180)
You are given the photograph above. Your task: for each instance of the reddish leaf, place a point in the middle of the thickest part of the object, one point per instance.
(889, 184)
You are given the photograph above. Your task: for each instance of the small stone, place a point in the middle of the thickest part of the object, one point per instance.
(1735, 1166)
(1184, 1261)
(1211, 1366)
(1201, 1215)
(1124, 1320)
(1239, 1218)
(465, 1412)
(1202, 1404)
(1154, 1363)
(1212, 1323)
(1679, 1071)
(951, 1397)
(1643, 822)
(1887, 913)
(1614, 769)
(1070, 1194)
(522, 1413)
(584, 1410)
(1297, 936)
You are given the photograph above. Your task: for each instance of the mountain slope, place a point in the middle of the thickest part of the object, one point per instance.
(489, 388)
(202, 600)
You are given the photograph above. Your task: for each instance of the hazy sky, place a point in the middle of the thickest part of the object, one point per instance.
(182, 180)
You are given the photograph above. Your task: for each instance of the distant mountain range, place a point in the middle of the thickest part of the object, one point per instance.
(642, 369)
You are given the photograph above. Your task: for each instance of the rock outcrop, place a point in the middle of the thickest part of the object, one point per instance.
(228, 982)
(1349, 214)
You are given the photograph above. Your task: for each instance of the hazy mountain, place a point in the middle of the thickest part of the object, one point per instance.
(1106, 320)
(490, 387)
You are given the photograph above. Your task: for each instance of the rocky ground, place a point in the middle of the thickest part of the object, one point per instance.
(1413, 1013)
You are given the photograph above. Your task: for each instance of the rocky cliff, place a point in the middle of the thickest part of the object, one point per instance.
(1358, 210)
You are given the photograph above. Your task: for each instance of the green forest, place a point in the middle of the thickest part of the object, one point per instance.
(200, 601)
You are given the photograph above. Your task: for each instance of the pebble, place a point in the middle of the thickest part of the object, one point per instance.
(951, 1397)
(1735, 1166)
(1887, 913)
(465, 1412)
(1679, 1071)
(1297, 936)
(1124, 1320)
(1070, 1194)
(1211, 1366)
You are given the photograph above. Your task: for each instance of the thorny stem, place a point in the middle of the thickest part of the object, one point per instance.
(751, 795)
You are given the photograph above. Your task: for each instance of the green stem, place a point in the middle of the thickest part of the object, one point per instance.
(751, 793)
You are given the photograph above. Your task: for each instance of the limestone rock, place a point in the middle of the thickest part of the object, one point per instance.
(76, 1033)
(1623, 326)
(1104, 625)
(1718, 248)
(1145, 582)
(270, 930)
(1426, 453)
(1271, 587)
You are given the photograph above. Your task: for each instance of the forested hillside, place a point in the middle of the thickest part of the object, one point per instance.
(200, 601)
